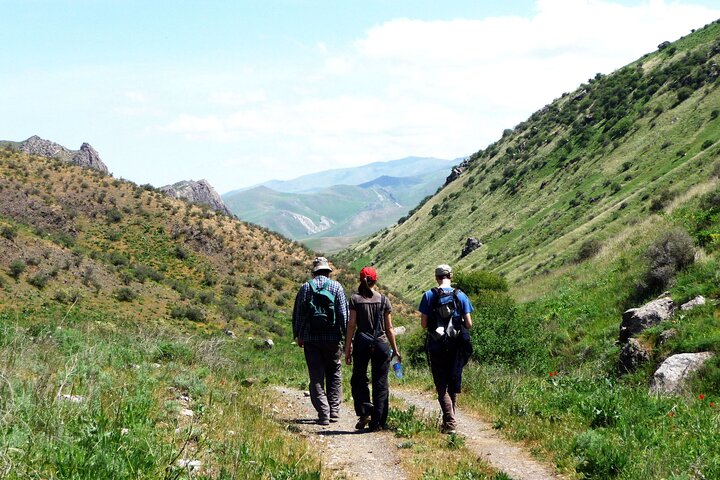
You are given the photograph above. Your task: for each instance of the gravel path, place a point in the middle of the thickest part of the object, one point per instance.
(349, 454)
(483, 441)
(346, 453)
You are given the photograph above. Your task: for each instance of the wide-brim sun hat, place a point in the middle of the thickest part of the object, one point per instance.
(321, 263)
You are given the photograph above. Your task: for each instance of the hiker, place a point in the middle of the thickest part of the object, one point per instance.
(319, 322)
(369, 339)
(445, 313)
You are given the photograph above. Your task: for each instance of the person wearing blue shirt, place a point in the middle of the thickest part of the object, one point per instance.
(448, 345)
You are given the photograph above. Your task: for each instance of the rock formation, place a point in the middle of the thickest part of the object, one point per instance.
(670, 378)
(85, 157)
(632, 355)
(471, 245)
(635, 320)
(197, 192)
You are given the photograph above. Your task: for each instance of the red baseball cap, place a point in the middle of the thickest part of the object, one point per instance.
(369, 273)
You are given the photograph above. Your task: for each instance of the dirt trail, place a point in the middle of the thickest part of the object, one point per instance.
(483, 441)
(344, 451)
(351, 454)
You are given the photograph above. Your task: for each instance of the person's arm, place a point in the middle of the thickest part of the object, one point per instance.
(352, 325)
(423, 320)
(297, 316)
(391, 334)
(467, 320)
(341, 305)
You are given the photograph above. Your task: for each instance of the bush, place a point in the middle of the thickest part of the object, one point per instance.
(114, 215)
(17, 267)
(472, 283)
(500, 334)
(188, 312)
(38, 281)
(668, 255)
(8, 231)
(125, 294)
(588, 249)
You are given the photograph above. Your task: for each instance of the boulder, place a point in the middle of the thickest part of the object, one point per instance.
(632, 355)
(200, 192)
(666, 335)
(268, 343)
(471, 245)
(399, 330)
(670, 378)
(635, 320)
(695, 302)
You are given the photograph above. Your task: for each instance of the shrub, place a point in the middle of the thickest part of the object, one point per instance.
(114, 215)
(472, 283)
(8, 231)
(188, 312)
(588, 249)
(707, 144)
(500, 334)
(17, 267)
(38, 281)
(125, 294)
(669, 254)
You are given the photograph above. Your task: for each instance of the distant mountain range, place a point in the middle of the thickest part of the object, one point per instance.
(331, 209)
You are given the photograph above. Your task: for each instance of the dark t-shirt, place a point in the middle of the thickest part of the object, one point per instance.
(366, 312)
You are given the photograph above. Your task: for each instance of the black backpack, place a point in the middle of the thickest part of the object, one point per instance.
(321, 309)
(445, 313)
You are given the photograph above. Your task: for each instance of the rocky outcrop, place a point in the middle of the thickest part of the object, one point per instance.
(632, 355)
(471, 245)
(457, 170)
(197, 192)
(635, 320)
(86, 157)
(670, 378)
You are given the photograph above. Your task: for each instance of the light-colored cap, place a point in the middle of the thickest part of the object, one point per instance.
(321, 263)
(442, 270)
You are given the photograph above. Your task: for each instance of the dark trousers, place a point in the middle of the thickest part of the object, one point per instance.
(323, 361)
(447, 376)
(378, 357)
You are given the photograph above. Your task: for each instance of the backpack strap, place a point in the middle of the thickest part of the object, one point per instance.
(378, 318)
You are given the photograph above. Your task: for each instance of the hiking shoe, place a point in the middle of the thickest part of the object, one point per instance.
(323, 421)
(376, 427)
(448, 429)
(334, 417)
(362, 422)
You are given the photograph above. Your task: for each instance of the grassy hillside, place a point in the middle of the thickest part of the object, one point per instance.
(589, 166)
(597, 203)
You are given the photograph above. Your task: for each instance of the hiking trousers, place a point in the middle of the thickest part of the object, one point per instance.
(323, 362)
(379, 360)
(447, 376)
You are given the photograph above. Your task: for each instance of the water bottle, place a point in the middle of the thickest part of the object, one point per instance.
(396, 365)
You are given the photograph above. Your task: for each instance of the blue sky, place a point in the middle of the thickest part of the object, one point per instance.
(242, 92)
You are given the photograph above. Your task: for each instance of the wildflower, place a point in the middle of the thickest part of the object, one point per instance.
(671, 414)
(712, 404)
(552, 374)
(701, 396)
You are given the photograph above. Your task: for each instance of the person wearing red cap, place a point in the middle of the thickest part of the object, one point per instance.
(370, 339)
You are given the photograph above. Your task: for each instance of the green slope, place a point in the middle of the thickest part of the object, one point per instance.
(588, 166)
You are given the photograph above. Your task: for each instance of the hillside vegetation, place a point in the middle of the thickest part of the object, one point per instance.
(589, 166)
(113, 300)
(605, 199)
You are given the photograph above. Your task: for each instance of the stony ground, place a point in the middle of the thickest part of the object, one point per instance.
(348, 454)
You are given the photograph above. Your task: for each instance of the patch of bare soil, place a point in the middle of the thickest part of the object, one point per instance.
(345, 452)
(483, 441)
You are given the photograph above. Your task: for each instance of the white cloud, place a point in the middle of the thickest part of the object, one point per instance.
(441, 88)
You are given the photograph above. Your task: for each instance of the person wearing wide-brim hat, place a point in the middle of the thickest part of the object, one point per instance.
(321, 338)
(370, 339)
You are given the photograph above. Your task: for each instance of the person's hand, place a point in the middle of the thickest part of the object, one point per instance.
(300, 342)
(397, 354)
(348, 357)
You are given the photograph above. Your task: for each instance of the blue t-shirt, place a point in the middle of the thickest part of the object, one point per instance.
(428, 299)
